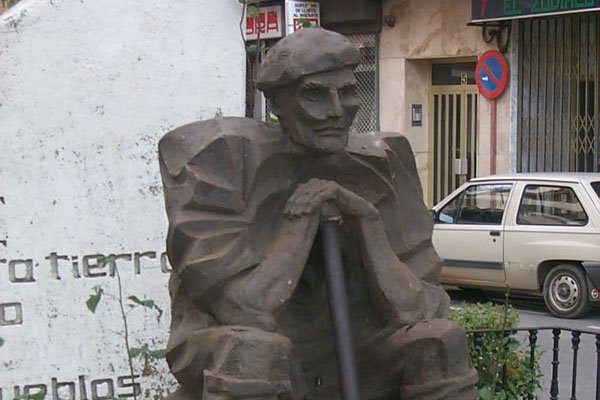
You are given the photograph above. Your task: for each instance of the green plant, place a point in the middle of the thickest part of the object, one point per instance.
(132, 302)
(34, 396)
(499, 353)
(9, 3)
(306, 23)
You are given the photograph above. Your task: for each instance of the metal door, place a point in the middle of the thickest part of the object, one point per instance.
(558, 86)
(452, 138)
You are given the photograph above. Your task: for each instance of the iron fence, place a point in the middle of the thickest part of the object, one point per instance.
(531, 344)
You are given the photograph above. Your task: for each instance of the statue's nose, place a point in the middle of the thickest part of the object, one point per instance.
(334, 106)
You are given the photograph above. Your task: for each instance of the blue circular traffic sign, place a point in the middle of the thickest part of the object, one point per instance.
(491, 74)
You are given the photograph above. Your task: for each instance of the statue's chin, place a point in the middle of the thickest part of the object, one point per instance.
(328, 144)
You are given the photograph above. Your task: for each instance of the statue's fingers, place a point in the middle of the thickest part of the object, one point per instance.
(316, 201)
(294, 205)
(300, 193)
(288, 210)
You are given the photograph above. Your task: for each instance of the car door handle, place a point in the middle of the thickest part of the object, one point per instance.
(494, 233)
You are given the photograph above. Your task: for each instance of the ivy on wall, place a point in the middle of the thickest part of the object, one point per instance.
(6, 4)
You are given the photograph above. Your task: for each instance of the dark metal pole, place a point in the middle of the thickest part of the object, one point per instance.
(338, 308)
(575, 340)
(532, 341)
(597, 367)
(555, 362)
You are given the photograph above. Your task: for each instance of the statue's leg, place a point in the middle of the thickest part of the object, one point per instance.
(425, 361)
(249, 364)
(234, 362)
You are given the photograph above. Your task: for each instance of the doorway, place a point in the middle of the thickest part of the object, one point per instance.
(452, 128)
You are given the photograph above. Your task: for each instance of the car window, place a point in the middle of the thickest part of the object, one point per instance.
(550, 205)
(478, 204)
(447, 214)
(596, 187)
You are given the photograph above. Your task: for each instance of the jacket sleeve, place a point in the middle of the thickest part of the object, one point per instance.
(417, 226)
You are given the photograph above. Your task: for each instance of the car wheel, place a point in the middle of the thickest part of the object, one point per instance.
(566, 291)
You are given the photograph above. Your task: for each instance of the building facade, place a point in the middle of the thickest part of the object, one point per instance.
(419, 58)
(546, 119)
(423, 84)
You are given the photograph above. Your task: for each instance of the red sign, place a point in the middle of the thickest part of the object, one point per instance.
(491, 74)
(269, 24)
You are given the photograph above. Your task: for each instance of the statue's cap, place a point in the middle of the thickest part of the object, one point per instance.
(305, 52)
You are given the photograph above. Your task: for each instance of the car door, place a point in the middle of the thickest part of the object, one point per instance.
(548, 221)
(469, 234)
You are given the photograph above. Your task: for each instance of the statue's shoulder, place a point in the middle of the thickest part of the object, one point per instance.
(376, 144)
(393, 147)
(181, 145)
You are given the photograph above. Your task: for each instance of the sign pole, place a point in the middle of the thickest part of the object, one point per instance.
(491, 77)
(493, 118)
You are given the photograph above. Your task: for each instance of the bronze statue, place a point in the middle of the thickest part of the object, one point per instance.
(250, 316)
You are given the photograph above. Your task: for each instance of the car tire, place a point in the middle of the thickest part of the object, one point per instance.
(566, 291)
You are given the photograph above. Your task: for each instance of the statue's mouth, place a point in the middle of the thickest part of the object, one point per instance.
(331, 131)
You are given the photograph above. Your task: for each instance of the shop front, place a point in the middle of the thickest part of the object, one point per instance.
(557, 59)
(545, 120)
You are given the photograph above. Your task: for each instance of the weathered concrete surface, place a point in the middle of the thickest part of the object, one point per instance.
(87, 88)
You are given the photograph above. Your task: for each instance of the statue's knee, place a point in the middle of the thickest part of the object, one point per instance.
(232, 359)
(252, 353)
(441, 363)
(249, 363)
(444, 344)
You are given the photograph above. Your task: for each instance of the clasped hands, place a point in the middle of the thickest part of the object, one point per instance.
(323, 196)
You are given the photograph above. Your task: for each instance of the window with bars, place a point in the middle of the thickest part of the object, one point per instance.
(367, 77)
(558, 94)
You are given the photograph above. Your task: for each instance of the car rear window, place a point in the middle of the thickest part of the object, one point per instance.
(550, 205)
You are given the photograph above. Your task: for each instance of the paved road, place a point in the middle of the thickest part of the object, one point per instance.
(533, 313)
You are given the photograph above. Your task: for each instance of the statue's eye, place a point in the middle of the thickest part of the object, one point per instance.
(347, 92)
(311, 94)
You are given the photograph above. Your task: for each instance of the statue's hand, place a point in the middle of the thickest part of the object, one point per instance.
(311, 196)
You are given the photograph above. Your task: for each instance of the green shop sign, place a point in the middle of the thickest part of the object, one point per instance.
(484, 10)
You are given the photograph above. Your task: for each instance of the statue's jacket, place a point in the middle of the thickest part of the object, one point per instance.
(227, 181)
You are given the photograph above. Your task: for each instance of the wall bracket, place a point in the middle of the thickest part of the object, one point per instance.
(498, 31)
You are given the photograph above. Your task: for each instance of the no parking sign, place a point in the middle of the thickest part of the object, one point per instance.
(491, 74)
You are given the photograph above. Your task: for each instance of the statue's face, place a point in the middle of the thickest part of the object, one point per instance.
(317, 110)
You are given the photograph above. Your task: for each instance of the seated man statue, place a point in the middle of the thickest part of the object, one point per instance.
(250, 313)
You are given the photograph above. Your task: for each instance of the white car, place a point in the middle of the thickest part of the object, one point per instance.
(529, 232)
